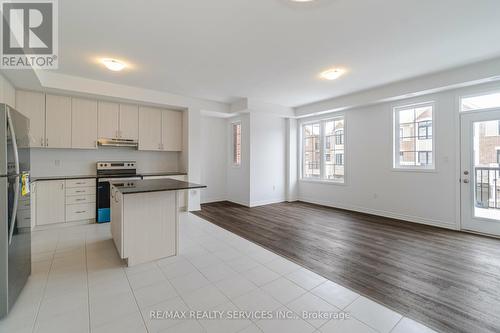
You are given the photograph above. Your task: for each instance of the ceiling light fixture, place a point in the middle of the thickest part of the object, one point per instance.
(113, 64)
(332, 74)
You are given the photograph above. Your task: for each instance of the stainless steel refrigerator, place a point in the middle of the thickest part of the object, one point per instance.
(15, 228)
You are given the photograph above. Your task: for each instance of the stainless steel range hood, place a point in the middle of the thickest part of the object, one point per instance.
(118, 143)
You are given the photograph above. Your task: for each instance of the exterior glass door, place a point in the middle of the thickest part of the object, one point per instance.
(480, 172)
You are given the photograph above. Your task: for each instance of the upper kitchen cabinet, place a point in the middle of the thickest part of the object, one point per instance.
(32, 105)
(118, 121)
(171, 130)
(129, 117)
(108, 121)
(150, 124)
(84, 123)
(57, 121)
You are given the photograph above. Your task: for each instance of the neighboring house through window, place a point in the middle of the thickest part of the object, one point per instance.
(413, 136)
(323, 149)
(236, 143)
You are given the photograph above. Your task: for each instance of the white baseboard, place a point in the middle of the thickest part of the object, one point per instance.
(266, 202)
(393, 215)
(239, 202)
(216, 199)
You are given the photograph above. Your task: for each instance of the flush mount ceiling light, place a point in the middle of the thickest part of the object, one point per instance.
(113, 64)
(332, 74)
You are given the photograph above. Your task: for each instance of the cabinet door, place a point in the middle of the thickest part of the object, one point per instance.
(149, 128)
(84, 123)
(129, 118)
(57, 121)
(32, 105)
(171, 130)
(109, 114)
(50, 207)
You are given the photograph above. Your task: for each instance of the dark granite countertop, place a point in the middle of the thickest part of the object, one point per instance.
(155, 185)
(143, 174)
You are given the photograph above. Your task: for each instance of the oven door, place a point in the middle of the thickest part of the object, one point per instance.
(103, 194)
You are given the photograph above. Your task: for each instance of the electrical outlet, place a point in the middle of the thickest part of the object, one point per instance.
(57, 163)
(274, 187)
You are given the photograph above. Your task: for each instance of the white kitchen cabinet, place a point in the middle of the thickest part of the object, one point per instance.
(118, 121)
(150, 124)
(171, 130)
(108, 120)
(57, 121)
(129, 118)
(32, 105)
(50, 202)
(117, 232)
(84, 123)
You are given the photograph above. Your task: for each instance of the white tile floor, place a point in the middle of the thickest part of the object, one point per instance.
(79, 284)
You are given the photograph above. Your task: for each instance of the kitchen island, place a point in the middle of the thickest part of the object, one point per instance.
(145, 218)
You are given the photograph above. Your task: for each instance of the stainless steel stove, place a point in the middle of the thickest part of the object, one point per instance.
(111, 171)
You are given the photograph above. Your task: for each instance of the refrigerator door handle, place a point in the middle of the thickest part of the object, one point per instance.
(16, 184)
(14, 140)
(14, 208)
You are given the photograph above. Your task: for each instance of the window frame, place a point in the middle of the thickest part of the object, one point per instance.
(396, 109)
(233, 144)
(477, 93)
(322, 121)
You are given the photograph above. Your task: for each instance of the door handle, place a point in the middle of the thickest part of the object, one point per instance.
(466, 181)
(14, 140)
(14, 209)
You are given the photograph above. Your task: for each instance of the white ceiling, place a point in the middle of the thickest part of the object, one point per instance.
(272, 50)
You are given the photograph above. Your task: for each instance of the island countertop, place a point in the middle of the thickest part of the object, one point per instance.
(153, 185)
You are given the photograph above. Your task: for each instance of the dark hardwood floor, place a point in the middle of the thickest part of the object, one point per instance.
(447, 280)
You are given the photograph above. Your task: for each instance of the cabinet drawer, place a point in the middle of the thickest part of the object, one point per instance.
(80, 199)
(80, 191)
(88, 182)
(80, 212)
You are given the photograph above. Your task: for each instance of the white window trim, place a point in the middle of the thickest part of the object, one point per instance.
(395, 139)
(321, 180)
(235, 165)
(477, 93)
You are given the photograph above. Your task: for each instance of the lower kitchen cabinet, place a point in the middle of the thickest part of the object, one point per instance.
(60, 201)
(50, 202)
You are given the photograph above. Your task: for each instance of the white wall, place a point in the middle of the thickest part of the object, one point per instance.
(238, 178)
(56, 162)
(7, 92)
(214, 156)
(268, 159)
(374, 187)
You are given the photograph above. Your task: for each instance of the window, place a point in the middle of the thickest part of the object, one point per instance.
(425, 157)
(323, 150)
(486, 101)
(413, 137)
(339, 137)
(425, 130)
(236, 143)
(339, 159)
